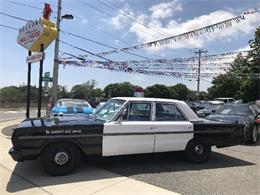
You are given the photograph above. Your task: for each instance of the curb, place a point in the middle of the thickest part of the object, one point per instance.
(7, 119)
(8, 123)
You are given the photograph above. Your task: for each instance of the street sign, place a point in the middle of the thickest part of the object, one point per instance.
(47, 79)
(47, 74)
(29, 34)
(35, 33)
(35, 57)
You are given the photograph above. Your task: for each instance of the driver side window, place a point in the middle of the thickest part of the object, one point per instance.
(136, 112)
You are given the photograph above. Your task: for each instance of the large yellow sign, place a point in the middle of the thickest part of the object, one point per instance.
(35, 33)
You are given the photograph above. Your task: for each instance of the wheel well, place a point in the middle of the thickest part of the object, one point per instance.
(61, 141)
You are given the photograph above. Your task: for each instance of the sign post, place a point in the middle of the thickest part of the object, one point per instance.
(36, 36)
(40, 85)
(28, 87)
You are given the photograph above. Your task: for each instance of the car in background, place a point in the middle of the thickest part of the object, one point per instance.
(242, 114)
(208, 109)
(71, 107)
(225, 99)
(94, 101)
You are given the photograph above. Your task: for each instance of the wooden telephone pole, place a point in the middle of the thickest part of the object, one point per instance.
(199, 52)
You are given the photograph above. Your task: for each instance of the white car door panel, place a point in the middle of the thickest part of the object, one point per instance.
(172, 135)
(128, 137)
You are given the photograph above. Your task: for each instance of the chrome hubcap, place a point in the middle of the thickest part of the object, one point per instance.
(198, 149)
(61, 158)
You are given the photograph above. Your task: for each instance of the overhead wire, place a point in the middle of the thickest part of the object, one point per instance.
(132, 16)
(103, 12)
(10, 27)
(79, 36)
(15, 17)
(99, 43)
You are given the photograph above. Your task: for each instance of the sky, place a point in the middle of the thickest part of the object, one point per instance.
(130, 22)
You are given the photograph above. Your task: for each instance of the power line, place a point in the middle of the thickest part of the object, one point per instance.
(23, 4)
(103, 44)
(10, 27)
(15, 17)
(103, 12)
(86, 51)
(81, 37)
(132, 16)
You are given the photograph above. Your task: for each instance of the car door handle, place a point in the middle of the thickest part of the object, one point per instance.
(152, 128)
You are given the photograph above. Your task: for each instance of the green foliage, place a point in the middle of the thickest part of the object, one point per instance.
(157, 91)
(181, 91)
(241, 80)
(125, 89)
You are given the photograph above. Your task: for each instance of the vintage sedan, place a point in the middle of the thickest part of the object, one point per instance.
(71, 106)
(239, 113)
(122, 126)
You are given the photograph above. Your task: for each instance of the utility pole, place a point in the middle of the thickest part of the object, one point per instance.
(200, 51)
(56, 56)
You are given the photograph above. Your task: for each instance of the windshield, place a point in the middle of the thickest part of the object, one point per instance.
(109, 109)
(212, 106)
(234, 110)
(73, 103)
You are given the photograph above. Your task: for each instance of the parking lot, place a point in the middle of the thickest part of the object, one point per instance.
(232, 170)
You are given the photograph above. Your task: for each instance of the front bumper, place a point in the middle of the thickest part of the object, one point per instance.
(16, 154)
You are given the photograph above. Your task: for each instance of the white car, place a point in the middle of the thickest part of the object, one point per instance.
(122, 126)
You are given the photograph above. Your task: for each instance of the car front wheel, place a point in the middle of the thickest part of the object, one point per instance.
(254, 134)
(197, 152)
(60, 159)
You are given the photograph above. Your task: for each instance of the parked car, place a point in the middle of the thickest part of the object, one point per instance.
(94, 101)
(208, 109)
(122, 126)
(71, 107)
(225, 99)
(239, 113)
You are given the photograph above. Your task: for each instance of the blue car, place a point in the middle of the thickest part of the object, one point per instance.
(71, 107)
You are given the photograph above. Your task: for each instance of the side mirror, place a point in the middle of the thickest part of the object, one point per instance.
(120, 119)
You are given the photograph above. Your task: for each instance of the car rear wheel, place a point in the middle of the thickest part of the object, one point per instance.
(197, 152)
(254, 134)
(60, 159)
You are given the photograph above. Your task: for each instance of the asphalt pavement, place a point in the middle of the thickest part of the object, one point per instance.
(232, 170)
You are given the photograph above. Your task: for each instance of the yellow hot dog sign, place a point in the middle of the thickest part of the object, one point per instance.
(37, 32)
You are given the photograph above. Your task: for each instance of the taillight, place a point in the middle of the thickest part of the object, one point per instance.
(257, 120)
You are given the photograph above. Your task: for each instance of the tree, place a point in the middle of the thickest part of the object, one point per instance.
(157, 91)
(85, 90)
(181, 91)
(224, 86)
(63, 92)
(125, 89)
(242, 79)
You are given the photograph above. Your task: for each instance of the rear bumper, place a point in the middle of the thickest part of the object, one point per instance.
(16, 154)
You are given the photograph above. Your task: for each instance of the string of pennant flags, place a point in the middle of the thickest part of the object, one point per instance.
(183, 74)
(181, 68)
(187, 35)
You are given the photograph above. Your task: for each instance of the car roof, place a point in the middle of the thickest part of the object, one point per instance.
(147, 99)
(70, 99)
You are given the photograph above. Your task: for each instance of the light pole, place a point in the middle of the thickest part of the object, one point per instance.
(56, 52)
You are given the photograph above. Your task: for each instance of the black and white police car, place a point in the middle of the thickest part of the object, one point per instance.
(122, 126)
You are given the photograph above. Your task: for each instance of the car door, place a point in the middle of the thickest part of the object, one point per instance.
(132, 132)
(173, 130)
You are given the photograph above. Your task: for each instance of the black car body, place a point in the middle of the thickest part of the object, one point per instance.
(240, 114)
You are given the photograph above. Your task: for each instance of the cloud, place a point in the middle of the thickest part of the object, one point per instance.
(245, 48)
(175, 27)
(152, 25)
(165, 10)
(123, 16)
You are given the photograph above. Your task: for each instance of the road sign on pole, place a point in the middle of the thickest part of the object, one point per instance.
(35, 57)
